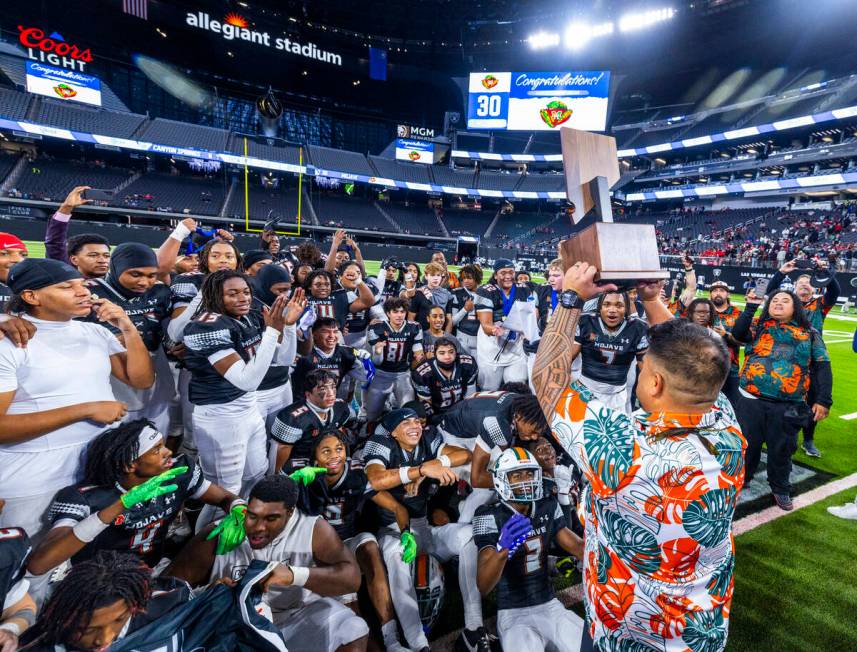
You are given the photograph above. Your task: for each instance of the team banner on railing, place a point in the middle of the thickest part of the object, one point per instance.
(63, 84)
(538, 101)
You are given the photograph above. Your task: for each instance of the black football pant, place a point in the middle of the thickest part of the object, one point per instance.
(775, 424)
(810, 423)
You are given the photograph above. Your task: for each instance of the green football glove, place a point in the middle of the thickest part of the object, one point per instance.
(230, 531)
(566, 566)
(307, 474)
(409, 546)
(152, 488)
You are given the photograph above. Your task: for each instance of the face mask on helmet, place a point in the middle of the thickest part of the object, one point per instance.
(512, 462)
(430, 588)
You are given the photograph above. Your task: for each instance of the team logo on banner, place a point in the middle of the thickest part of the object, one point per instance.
(555, 113)
(65, 91)
(490, 81)
(414, 156)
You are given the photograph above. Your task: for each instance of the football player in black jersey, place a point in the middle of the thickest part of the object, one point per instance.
(17, 609)
(229, 349)
(328, 354)
(609, 343)
(256, 259)
(500, 351)
(513, 538)
(549, 294)
(339, 496)
(446, 379)
(103, 512)
(336, 303)
(132, 284)
(485, 424)
(391, 273)
(397, 347)
(351, 278)
(298, 426)
(462, 307)
(410, 464)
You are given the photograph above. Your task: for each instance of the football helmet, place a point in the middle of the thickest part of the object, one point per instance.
(430, 588)
(517, 459)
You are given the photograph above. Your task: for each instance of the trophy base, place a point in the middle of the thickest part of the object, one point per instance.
(621, 252)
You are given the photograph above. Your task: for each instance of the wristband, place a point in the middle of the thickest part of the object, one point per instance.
(89, 528)
(13, 628)
(444, 461)
(403, 474)
(235, 503)
(300, 575)
(180, 232)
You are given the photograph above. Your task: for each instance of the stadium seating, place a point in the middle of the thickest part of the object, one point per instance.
(542, 183)
(415, 218)
(182, 134)
(445, 176)
(173, 193)
(337, 159)
(283, 201)
(389, 169)
(90, 120)
(51, 180)
(13, 105)
(349, 212)
(498, 181)
(285, 154)
(518, 223)
(472, 223)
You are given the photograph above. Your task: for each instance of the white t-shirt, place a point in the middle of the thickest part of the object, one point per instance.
(65, 363)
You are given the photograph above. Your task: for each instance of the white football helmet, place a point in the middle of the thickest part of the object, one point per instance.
(517, 459)
(430, 588)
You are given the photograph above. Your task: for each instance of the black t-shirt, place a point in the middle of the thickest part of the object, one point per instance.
(525, 581)
(384, 450)
(141, 530)
(210, 333)
(470, 324)
(298, 425)
(548, 301)
(335, 306)
(339, 363)
(357, 322)
(439, 392)
(607, 356)
(147, 311)
(485, 416)
(399, 346)
(422, 305)
(340, 503)
(14, 548)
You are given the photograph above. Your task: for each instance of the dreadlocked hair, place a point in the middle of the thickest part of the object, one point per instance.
(206, 250)
(212, 290)
(109, 455)
(91, 585)
(527, 408)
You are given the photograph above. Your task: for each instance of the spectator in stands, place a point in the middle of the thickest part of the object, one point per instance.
(12, 251)
(255, 259)
(49, 415)
(783, 351)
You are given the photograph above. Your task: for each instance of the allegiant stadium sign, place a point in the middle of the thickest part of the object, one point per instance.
(236, 28)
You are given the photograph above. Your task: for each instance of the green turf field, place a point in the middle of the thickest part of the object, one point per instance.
(796, 577)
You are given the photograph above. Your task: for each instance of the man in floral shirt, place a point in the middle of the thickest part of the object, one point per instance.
(662, 484)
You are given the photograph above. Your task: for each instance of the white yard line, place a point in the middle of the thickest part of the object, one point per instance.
(574, 594)
(849, 417)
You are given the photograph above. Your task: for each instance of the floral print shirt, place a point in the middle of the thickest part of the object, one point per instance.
(660, 493)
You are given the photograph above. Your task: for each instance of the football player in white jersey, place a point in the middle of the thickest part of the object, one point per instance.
(314, 568)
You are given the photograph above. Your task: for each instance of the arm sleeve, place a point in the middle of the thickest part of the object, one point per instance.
(56, 237)
(288, 348)
(822, 376)
(418, 341)
(741, 331)
(246, 376)
(831, 294)
(175, 329)
(776, 280)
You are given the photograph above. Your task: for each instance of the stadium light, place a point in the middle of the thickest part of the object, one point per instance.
(577, 35)
(541, 40)
(635, 21)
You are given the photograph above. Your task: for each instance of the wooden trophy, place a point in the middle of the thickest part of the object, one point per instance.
(621, 252)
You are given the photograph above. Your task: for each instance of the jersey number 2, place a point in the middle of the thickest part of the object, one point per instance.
(533, 560)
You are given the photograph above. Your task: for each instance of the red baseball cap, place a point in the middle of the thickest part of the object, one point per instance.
(9, 241)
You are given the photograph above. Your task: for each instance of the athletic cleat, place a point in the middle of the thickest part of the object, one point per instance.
(784, 502)
(810, 449)
(474, 640)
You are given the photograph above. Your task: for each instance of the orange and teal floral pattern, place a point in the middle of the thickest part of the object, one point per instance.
(778, 359)
(660, 494)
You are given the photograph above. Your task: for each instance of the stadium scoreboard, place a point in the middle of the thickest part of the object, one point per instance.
(538, 101)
